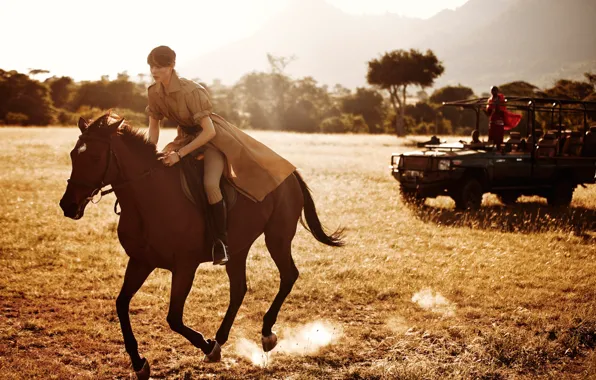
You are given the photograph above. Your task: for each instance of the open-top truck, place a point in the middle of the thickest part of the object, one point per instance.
(549, 164)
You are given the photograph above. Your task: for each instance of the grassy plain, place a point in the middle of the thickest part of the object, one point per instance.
(505, 292)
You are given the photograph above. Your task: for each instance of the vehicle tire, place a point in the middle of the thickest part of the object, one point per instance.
(508, 197)
(409, 197)
(469, 196)
(560, 194)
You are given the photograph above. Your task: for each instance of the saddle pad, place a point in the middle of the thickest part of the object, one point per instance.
(228, 191)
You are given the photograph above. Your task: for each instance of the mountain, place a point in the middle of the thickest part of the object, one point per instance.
(481, 43)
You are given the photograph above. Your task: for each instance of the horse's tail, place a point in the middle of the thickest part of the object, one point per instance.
(313, 224)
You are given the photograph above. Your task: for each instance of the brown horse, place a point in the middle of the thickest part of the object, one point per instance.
(160, 228)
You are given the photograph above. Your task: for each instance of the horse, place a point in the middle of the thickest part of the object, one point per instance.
(159, 227)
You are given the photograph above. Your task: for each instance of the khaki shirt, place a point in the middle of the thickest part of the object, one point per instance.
(184, 102)
(252, 167)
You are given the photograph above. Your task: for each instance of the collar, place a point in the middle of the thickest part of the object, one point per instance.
(173, 86)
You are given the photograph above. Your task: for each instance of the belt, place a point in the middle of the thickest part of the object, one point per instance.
(190, 130)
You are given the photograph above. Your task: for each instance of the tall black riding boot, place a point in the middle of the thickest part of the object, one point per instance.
(219, 251)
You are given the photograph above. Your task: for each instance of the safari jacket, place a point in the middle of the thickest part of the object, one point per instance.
(251, 166)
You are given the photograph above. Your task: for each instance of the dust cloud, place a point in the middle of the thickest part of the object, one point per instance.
(435, 303)
(302, 340)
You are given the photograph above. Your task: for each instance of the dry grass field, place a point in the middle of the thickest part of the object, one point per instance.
(502, 293)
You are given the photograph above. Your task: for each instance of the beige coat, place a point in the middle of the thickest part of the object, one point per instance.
(252, 167)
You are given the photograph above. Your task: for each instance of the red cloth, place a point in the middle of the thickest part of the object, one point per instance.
(496, 132)
(509, 119)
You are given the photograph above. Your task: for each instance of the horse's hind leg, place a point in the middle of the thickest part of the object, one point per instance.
(280, 248)
(236, 270)
(135, 276)
(182, 279)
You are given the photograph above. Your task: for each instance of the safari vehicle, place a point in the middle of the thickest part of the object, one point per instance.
(550, 165)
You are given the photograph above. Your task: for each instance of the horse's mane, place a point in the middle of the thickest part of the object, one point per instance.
(135, 139)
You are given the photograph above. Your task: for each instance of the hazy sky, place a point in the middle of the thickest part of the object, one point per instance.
(86, 39)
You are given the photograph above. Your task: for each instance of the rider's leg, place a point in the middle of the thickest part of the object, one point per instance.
(214, 166)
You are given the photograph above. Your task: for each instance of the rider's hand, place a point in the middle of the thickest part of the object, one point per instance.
(170, 158)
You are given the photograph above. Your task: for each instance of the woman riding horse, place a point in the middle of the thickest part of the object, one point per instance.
(252, 167)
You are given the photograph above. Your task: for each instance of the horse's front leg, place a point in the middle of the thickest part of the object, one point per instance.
(136, 274)
(236, 270)
(182, 278)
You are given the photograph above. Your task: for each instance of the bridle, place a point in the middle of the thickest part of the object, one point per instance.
(99, 188)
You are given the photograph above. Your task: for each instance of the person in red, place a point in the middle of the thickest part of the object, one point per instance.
(500, 120)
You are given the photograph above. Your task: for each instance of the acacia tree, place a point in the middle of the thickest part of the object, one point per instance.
(398, 69)
(451, 93)
(519, 88)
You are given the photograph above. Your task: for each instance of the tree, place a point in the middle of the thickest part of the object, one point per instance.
(34, 72)
(278, 64)
(309, 105)
(519, 88)
(61, 90)
(591, 78)
(106, 94)
(421, 112)
(265, 95)
(451, 93)
(370, 104)
(422, 96)
(569, 89)
(24, 100)
(397, 70)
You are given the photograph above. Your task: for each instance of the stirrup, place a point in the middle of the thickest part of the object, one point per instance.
(223, 260)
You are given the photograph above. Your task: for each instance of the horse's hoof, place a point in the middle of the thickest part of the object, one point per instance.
(144, 372)
(215, 355)
(269, 342)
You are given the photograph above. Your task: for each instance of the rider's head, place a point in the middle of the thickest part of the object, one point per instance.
(494, 90)
(161, 61)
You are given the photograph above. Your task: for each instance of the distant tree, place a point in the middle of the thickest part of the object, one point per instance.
(265, 94)
(344, 123)
(309, 104)
(397, 70)
(225, 102)
(569, 89)
(519, 88)
(450, 94)
(123, 76)
(370, 104)
(278, 64)
(34, 72)
(422, 96)
(340, 91)
(301, 117)
(258, 118)
(591, 78)
(61, 89)
(458, 118)
(421, 112)
(24, 100)
(105, 94)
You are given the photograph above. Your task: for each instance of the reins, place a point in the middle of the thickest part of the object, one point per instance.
(99, 189)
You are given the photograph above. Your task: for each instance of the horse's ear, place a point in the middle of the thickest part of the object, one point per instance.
(83, 125)
(113, 128)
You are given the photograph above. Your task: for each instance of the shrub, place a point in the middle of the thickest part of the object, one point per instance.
(16, 118)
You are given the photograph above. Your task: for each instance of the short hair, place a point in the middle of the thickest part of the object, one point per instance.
(161, 56)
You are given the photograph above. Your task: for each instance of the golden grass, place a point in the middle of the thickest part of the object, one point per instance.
(505, 292)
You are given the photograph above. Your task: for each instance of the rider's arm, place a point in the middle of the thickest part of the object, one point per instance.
(202, 138)
(199, 104)
(153, 132)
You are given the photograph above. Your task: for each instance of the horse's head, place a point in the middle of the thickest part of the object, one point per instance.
(93, 164)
